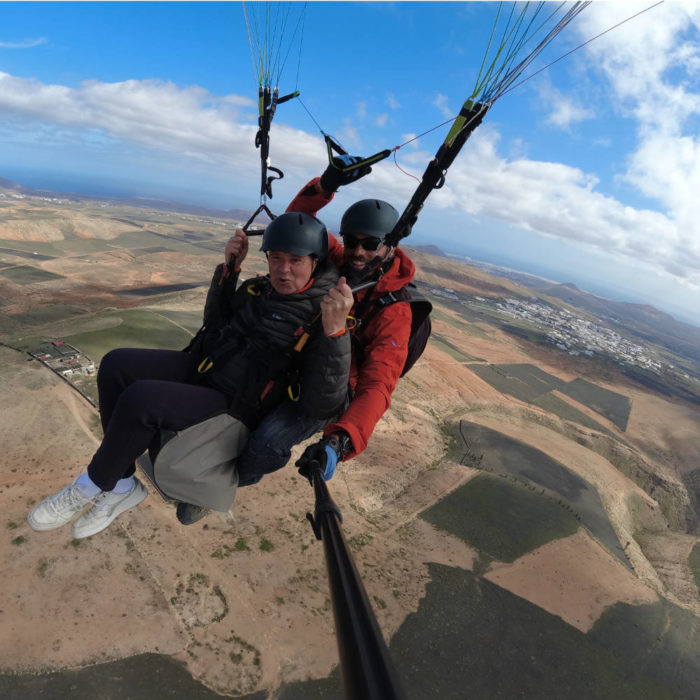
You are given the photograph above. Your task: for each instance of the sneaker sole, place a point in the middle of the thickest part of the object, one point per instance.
(134, 498)
(41, 527)
(44, 527)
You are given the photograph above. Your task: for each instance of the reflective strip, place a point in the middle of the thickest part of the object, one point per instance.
(205, 365)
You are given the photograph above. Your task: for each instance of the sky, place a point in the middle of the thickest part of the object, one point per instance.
(586, 172)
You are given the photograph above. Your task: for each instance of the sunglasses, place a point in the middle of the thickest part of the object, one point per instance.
(350, 241)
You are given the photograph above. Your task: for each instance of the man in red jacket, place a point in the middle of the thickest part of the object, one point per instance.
(379, 347)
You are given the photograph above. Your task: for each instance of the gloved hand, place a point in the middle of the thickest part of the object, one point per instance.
(326, 453)
(333, 177)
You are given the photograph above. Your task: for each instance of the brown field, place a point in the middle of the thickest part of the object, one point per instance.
(253, 583)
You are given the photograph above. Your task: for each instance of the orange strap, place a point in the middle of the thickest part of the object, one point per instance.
(337, 334)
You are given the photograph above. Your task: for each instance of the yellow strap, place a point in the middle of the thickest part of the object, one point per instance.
(205, 365)
(299, 346)
(290, 390)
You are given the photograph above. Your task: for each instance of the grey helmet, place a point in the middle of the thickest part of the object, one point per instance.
(296, 233)
(371, 217)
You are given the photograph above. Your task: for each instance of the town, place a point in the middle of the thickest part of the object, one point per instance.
(579, 336)
(567, 331)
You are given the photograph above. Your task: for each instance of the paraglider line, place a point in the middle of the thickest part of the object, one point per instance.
(405, 172)
(301, 43)
(318, 126)
(580, 46)
(415, 138)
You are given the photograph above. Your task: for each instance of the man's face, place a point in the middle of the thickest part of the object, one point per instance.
(356, 256)
(289, 273)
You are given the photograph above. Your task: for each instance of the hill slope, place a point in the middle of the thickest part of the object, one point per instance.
(494, 530)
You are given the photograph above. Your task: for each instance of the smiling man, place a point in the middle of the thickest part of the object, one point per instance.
(244, 361)
(380, 333)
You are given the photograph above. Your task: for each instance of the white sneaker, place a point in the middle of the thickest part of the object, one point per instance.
(59, 509)
(107, 507)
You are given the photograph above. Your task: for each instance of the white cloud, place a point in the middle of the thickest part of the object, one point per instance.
(552, 200)
(157, 114)
(565, 113)
(392, 102)
(24, 44)
(563, 110)
(652, 64)
(177, 125)
(652, 70)
(440, 102)
(382, 119)
(518, 149)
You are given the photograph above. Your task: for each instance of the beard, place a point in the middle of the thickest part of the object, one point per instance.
(355, 276)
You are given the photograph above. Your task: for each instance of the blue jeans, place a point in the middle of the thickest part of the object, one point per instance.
(270, 445)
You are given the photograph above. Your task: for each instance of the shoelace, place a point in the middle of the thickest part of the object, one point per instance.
(70, 497)
(100, 502)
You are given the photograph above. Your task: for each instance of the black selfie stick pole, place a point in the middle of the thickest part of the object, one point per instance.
(367, 669)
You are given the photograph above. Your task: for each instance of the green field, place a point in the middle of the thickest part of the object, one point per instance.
(499, 454)
(451, 349)
(26, 274)
(501, 519)
(144, 239)
(566, 411)
(660, 639)
(48, 314)
(463, 325)
(437, 314)
(53, 250)
(191, 320)
(135, 328)
(470, 638)
(613, 406)
(532, 385)
(524, 382)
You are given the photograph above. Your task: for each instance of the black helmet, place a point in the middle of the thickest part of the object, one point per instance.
(372, 217)
(296, 233)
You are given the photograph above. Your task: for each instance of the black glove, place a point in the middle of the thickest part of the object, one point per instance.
(333, 177)
(324, 455)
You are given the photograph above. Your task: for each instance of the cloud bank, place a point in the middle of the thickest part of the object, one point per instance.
(650, 67)
(188, 122)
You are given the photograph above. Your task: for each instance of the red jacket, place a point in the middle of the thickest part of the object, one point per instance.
(385, 339)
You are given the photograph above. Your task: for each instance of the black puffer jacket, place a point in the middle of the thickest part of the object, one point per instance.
(249, 336)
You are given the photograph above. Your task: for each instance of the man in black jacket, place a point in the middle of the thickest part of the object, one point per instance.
(243, 361)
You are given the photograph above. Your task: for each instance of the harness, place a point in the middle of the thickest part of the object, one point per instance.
(282, 367)
(421, 325)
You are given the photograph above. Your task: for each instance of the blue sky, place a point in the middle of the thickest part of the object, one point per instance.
(589, 172)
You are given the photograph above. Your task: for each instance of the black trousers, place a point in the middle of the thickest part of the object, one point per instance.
(140, 393)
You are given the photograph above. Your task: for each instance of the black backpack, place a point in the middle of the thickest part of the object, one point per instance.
(421, 326)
